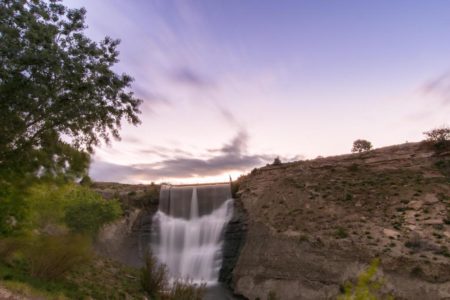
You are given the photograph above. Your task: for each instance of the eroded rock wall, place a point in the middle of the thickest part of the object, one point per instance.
(234, 238)
(314, 224)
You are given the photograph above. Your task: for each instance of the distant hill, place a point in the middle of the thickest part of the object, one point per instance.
(314, 224)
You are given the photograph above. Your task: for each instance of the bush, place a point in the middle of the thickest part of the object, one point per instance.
(154, 281)
(361, 146)
(341, 233)
(8, 247)
(87, 211)
(13, 210)
(86, 181)
(153, 277)
(367, 286)
(439, 138)
(51, 257)
(438, 135)
(186, 290)
(276, 161)
(46, 203)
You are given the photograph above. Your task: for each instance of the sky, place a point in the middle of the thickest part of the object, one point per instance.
(230, 85)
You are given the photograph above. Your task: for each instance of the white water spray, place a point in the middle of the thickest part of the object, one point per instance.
(189, 230)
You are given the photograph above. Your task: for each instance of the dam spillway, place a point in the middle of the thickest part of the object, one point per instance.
(188, 230)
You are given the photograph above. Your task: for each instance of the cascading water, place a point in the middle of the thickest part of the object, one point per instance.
(188, 230)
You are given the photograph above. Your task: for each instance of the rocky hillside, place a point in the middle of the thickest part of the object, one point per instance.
(314, 224)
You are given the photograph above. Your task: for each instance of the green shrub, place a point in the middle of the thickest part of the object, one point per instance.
(185, 290)
(13, 210)
(153, 277)
(87, 211)
(154, 281)
(367, 286)
(8, 247)
(341, 233)
(86, 181)
(51, 257)
(46, 204)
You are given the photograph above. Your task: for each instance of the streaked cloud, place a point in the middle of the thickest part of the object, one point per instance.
(439, 87)
(189, 77)
(231, 157)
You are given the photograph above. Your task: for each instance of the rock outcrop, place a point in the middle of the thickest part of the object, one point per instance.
(234, 237)
(128, 239)
(314, 224)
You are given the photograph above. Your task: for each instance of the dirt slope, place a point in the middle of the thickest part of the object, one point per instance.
(314, 224)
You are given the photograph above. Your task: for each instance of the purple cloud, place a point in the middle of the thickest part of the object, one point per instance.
(189, 77)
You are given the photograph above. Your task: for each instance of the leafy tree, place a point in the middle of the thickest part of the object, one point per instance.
(361, 145)
(59, 96)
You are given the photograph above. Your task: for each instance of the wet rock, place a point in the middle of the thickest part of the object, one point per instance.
(234, 237)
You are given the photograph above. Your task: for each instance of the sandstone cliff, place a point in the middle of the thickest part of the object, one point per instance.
(314, 224)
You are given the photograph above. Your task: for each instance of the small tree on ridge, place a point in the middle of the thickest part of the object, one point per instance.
(361, 146)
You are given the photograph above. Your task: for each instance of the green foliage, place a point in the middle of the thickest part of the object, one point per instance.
(86, 181)
(150, 197)
(341, 233)
(22, 288)
(185, 290)
(13, 210)
(45, 256)
(14, 277)
(153, 277)
(56, 82)
(8, 248)
(367, 286)
(100, 279)
(51, 208)
(51, 257)
(87, 211)
(46, 204)
(361, 146)
(154, 281)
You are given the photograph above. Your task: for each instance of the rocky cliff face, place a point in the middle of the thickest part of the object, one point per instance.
(128, 239)
(312, 225)
(234, 238)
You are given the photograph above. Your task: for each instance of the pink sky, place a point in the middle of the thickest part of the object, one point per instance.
(228, 86)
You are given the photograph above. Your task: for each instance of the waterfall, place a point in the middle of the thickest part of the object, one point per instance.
(188, 230)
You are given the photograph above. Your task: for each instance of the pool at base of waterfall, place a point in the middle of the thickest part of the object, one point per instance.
(218, 292)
